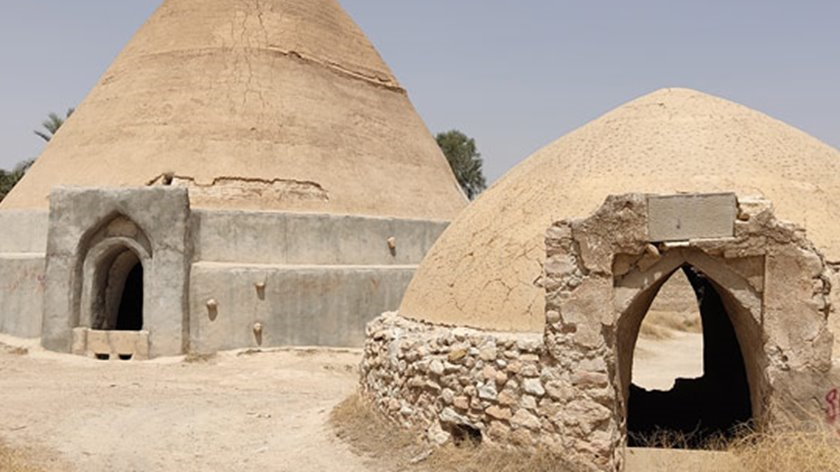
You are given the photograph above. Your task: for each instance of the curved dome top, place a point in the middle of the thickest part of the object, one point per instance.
(481, 271)
(276, 105)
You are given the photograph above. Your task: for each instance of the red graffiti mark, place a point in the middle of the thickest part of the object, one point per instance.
(831, 410)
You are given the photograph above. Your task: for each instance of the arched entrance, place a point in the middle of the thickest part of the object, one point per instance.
(118, 286)
(765, 297)
(112, 306)
(699, 408)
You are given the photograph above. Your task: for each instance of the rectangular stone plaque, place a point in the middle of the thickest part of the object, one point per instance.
(691, 216)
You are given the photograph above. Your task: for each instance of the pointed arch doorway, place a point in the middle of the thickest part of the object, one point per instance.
(698, 409)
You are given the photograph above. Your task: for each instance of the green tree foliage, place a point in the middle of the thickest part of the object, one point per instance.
(8, 179)
(52, 124)
(465, 160)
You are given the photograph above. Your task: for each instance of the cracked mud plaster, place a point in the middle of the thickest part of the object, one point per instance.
(371, 76)
(243, 187)
(566, 390)
(694, 135)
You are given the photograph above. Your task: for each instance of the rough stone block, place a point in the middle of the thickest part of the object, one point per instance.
(691, 216)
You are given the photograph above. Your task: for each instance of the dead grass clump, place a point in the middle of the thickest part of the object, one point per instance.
(193, 357)
(817, 450)
(670, 439)
(13, 350)
(393, 448)
(370, 433)
(484, 458)
(759, 450)
(14, 460)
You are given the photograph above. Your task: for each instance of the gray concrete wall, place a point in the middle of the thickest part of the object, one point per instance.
(85, 221)
(297, 238)
(300, 305)
(21, 294)
(24, 231)
(23, 240)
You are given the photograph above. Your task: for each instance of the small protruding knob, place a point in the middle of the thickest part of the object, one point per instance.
(212, 309)
(258, 331)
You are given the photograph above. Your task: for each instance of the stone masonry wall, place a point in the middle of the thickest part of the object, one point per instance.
(464, 382)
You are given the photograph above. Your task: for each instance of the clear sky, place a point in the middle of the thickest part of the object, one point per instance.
(514, 75)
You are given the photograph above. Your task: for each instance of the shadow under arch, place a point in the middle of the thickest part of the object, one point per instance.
(734, 324)
(113, 257)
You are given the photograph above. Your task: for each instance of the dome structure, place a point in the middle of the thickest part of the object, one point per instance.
(243, 174)
(483, 272)
(270, 105)
(520, 326)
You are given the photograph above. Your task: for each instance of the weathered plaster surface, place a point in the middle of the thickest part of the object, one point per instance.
(311, 305)
(82, 224)
(298, 238)
(600, 275)
(481, 272)
(293, 110)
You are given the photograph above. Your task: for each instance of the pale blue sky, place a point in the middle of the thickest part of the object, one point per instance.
(514, 75)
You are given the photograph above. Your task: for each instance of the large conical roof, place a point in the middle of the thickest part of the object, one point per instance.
(481, 271)
(259, 104)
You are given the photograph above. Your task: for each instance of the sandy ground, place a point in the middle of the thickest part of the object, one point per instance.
(236, 411)
(260, 411)
(657, 363)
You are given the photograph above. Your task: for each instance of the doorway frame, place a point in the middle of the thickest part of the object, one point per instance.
(95, 277)
(86, 223)
(773, 281)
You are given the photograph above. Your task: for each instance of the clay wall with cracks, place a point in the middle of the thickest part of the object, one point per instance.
(600, 275)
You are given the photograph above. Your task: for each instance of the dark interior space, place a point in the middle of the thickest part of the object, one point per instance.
(130, 314)
(697, 409)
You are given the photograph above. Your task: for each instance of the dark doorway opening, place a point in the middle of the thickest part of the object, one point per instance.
(698, 409)
(118, 300)
(130, 314)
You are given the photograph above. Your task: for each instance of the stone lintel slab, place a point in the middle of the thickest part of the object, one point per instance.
(691, 216)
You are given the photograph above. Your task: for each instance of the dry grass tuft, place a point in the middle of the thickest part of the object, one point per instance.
(759, 450)
(788, 451)
(669, 439)
(193, 357)
(371, 434)
(14, 460)
(12, 350)
(484, 458)
(390, 447)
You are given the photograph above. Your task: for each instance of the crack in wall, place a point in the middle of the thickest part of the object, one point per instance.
(233, 187)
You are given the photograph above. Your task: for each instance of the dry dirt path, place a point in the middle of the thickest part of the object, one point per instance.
(656, 363)
(262, 411)
(236, 411)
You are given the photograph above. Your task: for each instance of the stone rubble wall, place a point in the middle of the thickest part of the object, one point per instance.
(454, 381)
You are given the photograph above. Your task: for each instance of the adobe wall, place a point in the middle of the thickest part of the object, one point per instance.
(86, 224)
(249, 237)
(300, 279)
(22, 243)
(302, 305)
(569, 389)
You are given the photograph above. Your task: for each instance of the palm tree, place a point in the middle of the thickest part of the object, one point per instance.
(52, 124)
(8, 179)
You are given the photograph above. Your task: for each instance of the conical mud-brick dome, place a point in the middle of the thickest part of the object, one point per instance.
(269, 104)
